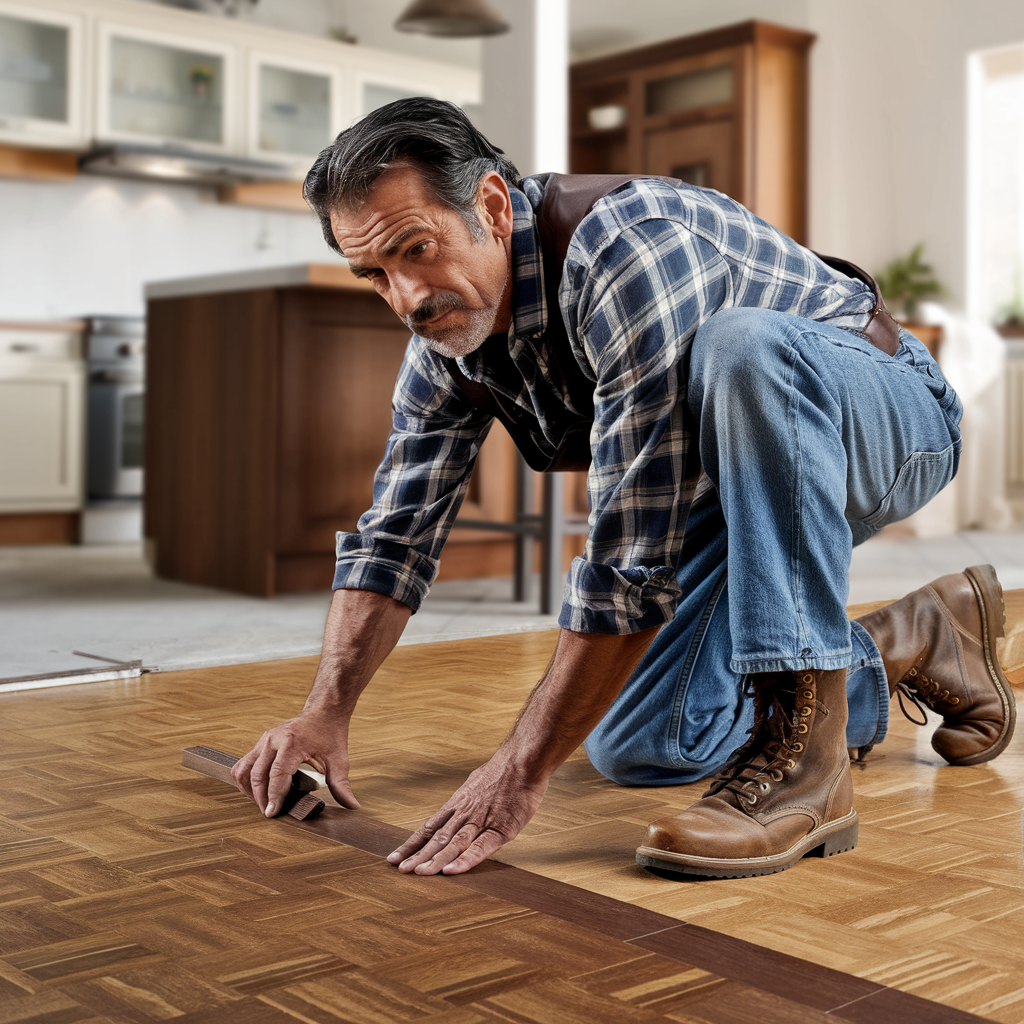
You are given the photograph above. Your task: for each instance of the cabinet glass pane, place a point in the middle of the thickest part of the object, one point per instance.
(295, 111)
(690, 91)
(375, 96)
(165, 91)
(33, 69)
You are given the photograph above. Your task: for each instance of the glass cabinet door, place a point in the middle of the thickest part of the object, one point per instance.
(295, 110)
(38, 63)
(162, 92)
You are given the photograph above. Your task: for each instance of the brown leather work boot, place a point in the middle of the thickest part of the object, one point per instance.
(938, 645)
(787, 792)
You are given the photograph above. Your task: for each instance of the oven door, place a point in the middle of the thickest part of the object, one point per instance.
(116, 434)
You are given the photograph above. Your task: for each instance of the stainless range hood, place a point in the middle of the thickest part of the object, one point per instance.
(186, 167)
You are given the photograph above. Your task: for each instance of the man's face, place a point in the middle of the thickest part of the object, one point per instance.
(451, 288)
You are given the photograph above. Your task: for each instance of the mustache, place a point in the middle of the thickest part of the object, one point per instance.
(434, 306)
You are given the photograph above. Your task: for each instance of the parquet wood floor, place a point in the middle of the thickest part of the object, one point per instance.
(133, 890)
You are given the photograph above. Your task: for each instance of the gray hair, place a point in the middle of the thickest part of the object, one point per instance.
(435, 137)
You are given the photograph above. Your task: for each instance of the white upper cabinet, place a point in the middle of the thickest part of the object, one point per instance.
(165, 90)
(73, 72)
(41, 76)
(296, 107)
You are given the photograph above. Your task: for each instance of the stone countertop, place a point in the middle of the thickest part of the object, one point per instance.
(297, 275)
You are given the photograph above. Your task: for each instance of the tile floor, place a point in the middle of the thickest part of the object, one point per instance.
(103, 600)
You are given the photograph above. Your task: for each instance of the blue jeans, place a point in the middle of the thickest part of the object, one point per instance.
(811, 440)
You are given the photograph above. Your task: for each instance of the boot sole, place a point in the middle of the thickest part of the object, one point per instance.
(837, 836)
(993, 624)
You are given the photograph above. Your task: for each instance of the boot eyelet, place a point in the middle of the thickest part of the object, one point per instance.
(808, 678)
(802, 727)
(808, 695)
(944, 694)
(913, 672)
(777, 775)
(752, 799)
(764, 787)
(804, 712)
(797, 747)
(954, 700)
(791, 763)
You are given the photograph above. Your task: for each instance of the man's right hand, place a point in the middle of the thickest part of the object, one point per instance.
(362, 628)
(312, 738)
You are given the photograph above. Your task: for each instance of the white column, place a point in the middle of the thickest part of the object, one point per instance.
(526, 85)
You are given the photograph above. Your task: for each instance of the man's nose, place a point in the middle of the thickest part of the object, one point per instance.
(407, 294)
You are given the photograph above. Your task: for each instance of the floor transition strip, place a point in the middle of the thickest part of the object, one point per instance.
(841, 995)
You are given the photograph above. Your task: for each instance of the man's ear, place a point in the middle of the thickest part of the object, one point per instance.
(494, 205)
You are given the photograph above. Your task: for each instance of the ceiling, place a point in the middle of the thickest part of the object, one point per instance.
(596, 27)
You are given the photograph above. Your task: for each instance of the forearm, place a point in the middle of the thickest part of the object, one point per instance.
(361, 631)
(584, 677)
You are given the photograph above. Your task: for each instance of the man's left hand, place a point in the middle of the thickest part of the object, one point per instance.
(487, 811)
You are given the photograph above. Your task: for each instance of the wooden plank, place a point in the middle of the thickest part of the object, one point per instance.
(20, 528)
(267, 195)
(39, 164)
(217, 764)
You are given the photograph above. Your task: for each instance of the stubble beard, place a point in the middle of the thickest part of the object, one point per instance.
(453, 342)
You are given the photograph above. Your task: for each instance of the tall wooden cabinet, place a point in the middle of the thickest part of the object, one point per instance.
(725, 109)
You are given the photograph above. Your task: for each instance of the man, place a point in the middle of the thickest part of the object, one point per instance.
(745, 432)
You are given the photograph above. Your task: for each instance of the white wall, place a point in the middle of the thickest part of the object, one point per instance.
(889, 125)
(87, 246)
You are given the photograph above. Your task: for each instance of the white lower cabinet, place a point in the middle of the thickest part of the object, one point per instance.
(42, 417)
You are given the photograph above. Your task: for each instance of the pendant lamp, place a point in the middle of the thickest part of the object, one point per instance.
(451, 18)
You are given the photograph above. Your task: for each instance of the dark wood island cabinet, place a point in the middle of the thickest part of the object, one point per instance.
(268, 407)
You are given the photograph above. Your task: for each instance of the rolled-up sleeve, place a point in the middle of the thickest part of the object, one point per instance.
(418, 488)
(640, 301)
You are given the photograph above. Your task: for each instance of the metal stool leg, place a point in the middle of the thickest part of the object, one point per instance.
(552, 534)
(524, 540)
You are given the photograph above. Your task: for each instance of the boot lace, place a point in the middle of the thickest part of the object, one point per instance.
(783, 713)
(923, 693)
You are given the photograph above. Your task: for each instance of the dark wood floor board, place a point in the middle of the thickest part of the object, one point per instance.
(23, 850)
(85, 956)
(157, 992)
(769, 970)
(556, 1002)
(31, 921)
(45, 1008)
(362, 998)
(891, 1005)
(569, 903)
(733, 1003)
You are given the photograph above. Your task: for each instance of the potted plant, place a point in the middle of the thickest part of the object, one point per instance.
(905, 283)
(1011, 316)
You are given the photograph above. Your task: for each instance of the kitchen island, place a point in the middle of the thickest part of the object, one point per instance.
(268, 407)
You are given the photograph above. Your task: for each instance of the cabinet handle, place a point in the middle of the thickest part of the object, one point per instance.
(23, 346)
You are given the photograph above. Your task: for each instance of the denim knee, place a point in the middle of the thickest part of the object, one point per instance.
(609, 757)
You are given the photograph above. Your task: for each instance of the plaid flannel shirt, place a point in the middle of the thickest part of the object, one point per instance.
(644, 270)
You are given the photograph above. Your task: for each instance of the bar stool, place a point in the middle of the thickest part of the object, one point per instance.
(548, 528)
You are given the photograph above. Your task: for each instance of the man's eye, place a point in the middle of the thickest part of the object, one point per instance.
(418, 249)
